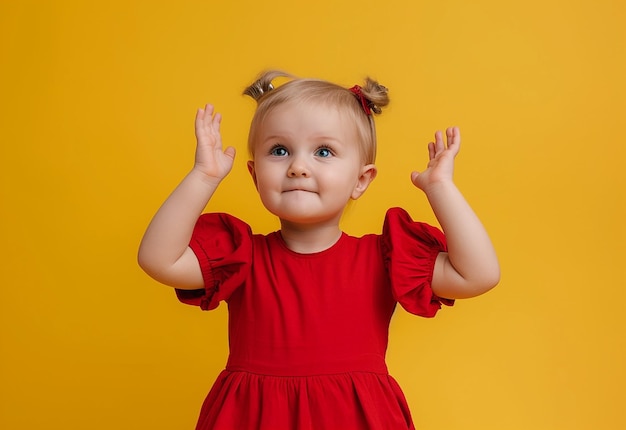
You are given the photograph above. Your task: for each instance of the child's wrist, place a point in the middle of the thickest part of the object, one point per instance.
(200, 175)
(438, 187)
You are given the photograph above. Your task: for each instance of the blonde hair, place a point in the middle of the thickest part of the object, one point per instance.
(315, 90)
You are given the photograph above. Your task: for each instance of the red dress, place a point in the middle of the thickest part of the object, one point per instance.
(308, 332)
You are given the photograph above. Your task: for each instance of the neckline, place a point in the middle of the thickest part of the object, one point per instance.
(278, 239)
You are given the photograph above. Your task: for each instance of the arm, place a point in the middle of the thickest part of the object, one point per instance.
(164, 253)
(470, 267)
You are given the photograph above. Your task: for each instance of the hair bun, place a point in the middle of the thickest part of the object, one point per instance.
(263, 84)
(376, 94)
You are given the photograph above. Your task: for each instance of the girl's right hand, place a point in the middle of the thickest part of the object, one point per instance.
(164, 252)
(211, 160)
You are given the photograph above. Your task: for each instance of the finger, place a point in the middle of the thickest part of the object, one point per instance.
(203, 114)
(457, 135)
(453, 135)
(215, 130)
(439, 145)
(206, 117)
(199, 122)
(217, 121)
(230, 152)
(414, 176)
(431, 151)
(208, 111)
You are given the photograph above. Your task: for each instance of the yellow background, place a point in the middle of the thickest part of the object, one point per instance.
(96, 128)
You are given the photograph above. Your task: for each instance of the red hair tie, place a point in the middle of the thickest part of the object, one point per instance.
(356, 90)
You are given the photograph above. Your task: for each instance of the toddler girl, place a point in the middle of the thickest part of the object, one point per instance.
(310, 306)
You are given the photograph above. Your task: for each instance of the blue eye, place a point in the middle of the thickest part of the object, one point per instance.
(279, 151)
(324, 152)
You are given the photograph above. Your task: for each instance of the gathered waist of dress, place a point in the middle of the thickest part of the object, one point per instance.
(365, 363)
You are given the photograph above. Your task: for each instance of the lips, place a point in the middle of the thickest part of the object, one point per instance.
(298, 189)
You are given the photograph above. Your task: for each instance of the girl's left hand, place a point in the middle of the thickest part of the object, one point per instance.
(441, 160)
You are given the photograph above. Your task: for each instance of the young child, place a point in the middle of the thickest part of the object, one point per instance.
(310, 306)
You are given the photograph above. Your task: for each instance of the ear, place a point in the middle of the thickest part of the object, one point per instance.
(252, 172)
(368, 173)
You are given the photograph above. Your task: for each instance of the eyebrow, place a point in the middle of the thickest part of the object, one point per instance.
(274, 137)
(321, 137)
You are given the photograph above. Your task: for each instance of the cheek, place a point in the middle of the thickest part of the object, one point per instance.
(340, 185)
(266, 178)
(345, 174)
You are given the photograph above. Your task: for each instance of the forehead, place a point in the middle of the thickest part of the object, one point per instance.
(308, 118)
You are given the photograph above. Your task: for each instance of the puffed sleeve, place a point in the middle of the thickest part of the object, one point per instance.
(223, 245)
(410, 250)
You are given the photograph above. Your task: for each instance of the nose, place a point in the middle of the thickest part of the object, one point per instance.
(298, 168)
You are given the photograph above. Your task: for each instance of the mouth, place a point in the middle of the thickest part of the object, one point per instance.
(293, 190)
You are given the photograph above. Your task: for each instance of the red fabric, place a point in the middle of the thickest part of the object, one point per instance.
(365, 103)
(410, 250)
(308, 332)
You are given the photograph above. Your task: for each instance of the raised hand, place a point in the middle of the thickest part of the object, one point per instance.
(441, 160)
(470, 266)
(211, 159)
(164, 252)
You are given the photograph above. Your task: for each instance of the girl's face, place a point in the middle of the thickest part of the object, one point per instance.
(307, 163)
